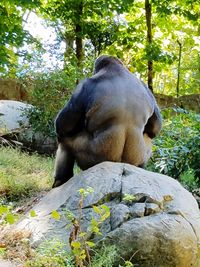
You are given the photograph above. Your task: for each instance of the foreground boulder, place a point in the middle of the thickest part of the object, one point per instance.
(159, 224)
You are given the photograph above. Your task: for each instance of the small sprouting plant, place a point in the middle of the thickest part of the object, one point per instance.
(129, 198)
(51, 253)
(128, 264)
(7, 215)
(78, 239)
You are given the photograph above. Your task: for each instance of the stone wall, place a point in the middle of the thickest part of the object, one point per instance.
(11, 89)
(191, 102)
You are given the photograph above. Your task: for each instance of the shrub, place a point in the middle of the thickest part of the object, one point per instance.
(48, 92)
(177, 149)
(51, 253)
(188, 180)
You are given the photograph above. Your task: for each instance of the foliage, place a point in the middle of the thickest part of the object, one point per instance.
(20, 177)
(52, 254)
(168, 25)
(129, 198)
(97, 19)
(177, 149)
(105, 257)
(48, 93)
(78, 240)
(12, 34)
(188, 179)
(7, 215)
(115, 27)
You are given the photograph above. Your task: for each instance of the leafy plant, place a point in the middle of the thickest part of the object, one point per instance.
(129, 198)
(105, 257)
(7, 215)
(177, 149)
(189, 180)
(52, 254)
(78, 240)
(48, 93)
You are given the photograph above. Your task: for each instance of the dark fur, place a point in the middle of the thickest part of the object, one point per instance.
(111, 116)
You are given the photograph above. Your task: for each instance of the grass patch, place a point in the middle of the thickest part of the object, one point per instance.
(22, 174)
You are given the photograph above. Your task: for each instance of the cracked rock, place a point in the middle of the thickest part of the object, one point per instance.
(160, 227)
(119, 214)
(151, 208)
(137, 210)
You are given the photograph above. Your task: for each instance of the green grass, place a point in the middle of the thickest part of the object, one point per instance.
(22, 174)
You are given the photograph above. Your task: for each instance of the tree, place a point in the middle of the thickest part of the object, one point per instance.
(148, 14)
(169, 21)
(12, 34)
(83, 23)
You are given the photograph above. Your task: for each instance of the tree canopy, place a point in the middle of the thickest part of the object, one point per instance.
(159, 40)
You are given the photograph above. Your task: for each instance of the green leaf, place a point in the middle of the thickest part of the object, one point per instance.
(76, 244)
(10, 218)
(105, 207)
(33, 213)
(82, 234)
(81, 191)
(90, 244)
(129, 197)
(97, 210)
(3, 210)
(55, 215)
(105, 216)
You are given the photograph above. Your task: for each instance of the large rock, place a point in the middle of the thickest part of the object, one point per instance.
(12, 116)
(14, 122)
(160, 226)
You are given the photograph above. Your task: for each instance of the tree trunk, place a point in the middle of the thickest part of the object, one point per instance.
(148, 14)
(179, 68)
(78, 34)
(79, 45)
(69, 41)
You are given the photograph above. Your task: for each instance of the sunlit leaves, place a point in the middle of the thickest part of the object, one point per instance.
(178, 146)
(33, 213)
(12, 34)
(6, 215)
(55, 215)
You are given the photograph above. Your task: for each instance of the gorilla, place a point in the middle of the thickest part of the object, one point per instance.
(111, 116)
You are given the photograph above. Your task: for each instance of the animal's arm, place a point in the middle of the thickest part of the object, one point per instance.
(154, 123)
(70, 119)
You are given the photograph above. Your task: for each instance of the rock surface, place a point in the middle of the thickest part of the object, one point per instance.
(12, 117)
(4, 263)
(14, 120)
(160, 225)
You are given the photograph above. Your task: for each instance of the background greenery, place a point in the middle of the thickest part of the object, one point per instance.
(163, 34)
(177, 149)
(88, 28)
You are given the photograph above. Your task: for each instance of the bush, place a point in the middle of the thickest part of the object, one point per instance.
(177, 149)
(51, 253)
(188, 180)
(48, 92)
